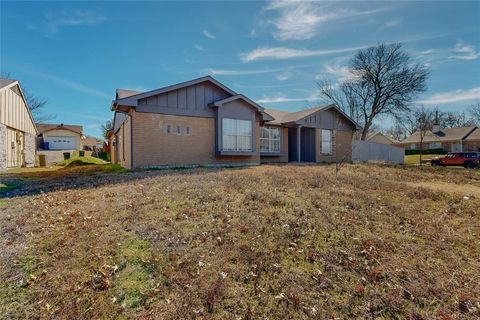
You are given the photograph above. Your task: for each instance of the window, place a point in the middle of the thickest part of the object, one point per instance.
(413, 146)
(188, 130)
(326, 141)
(237, 135)
(168, 128)
(269, 139)
(435, 145)
(179, 131)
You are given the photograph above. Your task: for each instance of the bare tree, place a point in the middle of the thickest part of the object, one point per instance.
(340, 159)
(383, 81)
(106, 127)
(451, 119)
(396, 131)
(407, 122)
(474, 112)
(35, 103)
(425, 119)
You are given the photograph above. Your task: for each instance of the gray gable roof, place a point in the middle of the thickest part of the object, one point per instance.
(44, 127)
(6, 82)
(179, 99)
(236, 97)
(124, 93)
(283, 117)
(474, 135)
(132, 100)
(265, 116)
(446, 134)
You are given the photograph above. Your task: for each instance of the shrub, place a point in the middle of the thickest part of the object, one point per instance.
(425, 151)
(81, 161)
(104, 155)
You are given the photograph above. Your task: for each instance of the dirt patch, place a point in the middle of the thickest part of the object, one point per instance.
(275, 242)
(462, 189)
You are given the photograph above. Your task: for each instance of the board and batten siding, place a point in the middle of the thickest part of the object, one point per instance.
(14, 112)
(15, 146)
(193, 100)
(327, 119)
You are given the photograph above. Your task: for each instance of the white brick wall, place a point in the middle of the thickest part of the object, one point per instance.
(30, 149)
(3, 146)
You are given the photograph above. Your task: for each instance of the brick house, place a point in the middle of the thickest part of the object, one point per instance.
(449, 139)
(203, 122)
(376, 137)
(472, 141)
(17, 128)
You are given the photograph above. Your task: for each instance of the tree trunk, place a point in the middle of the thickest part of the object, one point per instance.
(367, 126)
(421, 152)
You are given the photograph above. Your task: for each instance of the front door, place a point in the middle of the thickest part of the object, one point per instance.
(14, 148)
(307, 145)
(292, 145)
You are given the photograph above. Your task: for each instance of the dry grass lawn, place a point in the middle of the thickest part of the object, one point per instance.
(414, 159)
(268, 242)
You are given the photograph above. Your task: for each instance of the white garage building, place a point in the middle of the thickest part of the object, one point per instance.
(60, 137)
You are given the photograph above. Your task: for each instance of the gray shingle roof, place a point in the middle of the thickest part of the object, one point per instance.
(5, 82)
(42, 127)
(284, 116)
(124, 93)
(474, 136)
(447, 134)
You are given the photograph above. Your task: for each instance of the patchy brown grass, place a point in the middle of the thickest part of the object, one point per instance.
(462, 189)
(276, 242)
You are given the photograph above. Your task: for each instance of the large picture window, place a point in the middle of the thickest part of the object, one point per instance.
(270, 139)
(326, 142)
(237, 135)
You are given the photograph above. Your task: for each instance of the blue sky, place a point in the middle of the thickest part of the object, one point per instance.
(75, 54)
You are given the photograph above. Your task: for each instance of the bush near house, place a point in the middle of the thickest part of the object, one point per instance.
(424, 151)
(79, 161)
(276, 242)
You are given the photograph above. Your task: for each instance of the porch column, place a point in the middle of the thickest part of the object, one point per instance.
(299, 141)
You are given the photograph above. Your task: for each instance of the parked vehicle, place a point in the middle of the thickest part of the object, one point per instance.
(465, 159)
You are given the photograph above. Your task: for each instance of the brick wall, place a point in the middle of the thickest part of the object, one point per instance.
(3, 146)
(341, 146)
(30, 149)
(471, 146)
(153, 145)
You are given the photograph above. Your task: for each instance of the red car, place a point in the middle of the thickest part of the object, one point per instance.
(465, 159)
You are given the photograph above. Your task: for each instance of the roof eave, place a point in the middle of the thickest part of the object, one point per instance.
(134, 98)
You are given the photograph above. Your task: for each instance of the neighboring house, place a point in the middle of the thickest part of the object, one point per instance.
(89, 143)
(448, 139)
(17, 128)
(202, 122)
(92, 144)
(377, 137)
(472, 141)
(60, 137)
